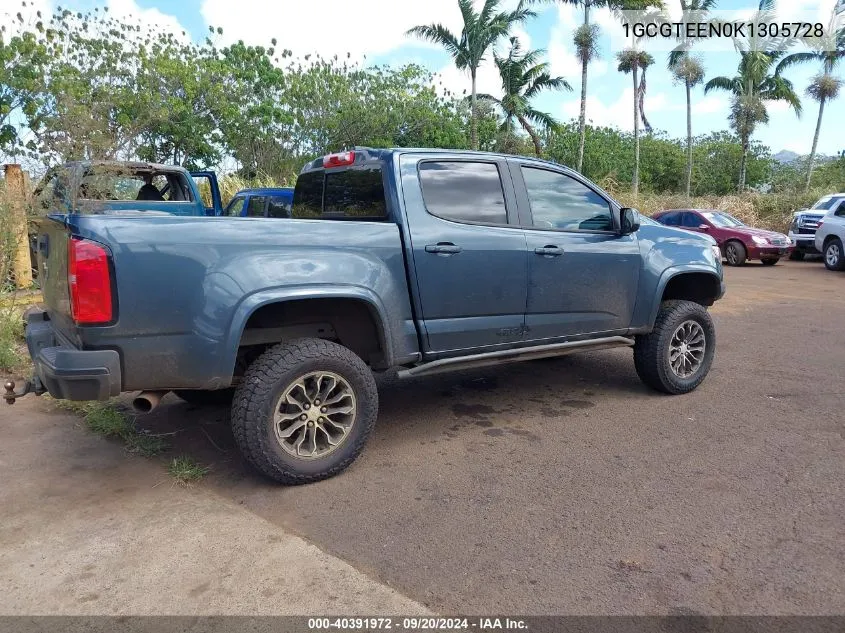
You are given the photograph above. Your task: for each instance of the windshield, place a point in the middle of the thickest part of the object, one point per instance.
(722, 220)
(826, 204)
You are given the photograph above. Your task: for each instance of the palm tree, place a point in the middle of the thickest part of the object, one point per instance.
(754, 84)
(631, 61)
(689, 71)
(481, 30)
(585, 39)
(824, 87)
(523, 78)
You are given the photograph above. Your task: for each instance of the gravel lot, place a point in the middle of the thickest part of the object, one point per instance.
(567, 487)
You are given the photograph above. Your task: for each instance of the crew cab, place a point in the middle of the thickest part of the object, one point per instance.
(419, 261)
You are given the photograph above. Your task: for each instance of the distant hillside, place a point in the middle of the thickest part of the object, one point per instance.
(785, 156)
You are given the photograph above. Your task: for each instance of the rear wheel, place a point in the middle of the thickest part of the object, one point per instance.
(834, 258)
(677, 355)
(770, 261)
(304, 410)
(735, 253)
(796, 256)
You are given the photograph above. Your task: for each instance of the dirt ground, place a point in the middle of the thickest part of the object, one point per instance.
(550, 487)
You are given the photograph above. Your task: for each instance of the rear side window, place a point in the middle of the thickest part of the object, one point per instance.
(255, 208)
(356, 193)
(278, 208)
(463, 191)
(691, 221)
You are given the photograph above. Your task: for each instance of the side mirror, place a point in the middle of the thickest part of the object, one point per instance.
(630, 221)
(703, 227)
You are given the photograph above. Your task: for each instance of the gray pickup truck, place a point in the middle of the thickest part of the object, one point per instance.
(420, 261)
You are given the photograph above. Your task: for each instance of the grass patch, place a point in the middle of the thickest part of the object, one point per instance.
(12, 358)
(186, 471)
(109, 420)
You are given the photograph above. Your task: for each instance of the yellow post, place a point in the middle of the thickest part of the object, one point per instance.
(16, 199)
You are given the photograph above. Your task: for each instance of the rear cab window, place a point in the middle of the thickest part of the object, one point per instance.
(352, 193)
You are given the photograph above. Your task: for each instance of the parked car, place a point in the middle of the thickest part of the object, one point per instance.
(830, 236)
(422, 261)
(802, 232)
(270, 202)
(115, 187)
(737, 241)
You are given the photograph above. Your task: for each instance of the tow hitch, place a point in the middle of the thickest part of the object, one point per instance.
(11, 395)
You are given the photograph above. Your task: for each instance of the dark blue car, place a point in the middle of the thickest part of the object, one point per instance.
(268, 202)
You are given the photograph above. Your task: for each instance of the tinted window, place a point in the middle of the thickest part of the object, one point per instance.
(308, 195)
(235, 207)
(691, 221)
(255, 208)
(463, 191)
(352, 193)
(356, 193)
(278, 208)
(670, 219)
(560, 202)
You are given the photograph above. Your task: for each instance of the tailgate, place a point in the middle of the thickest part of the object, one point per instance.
(51, 243)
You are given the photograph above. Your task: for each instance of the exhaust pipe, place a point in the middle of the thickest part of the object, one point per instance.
(146, 401)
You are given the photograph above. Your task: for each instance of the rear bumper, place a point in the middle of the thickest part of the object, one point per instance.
(68, 373)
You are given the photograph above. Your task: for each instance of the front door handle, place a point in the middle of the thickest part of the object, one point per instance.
(549, 251)
(443, 248)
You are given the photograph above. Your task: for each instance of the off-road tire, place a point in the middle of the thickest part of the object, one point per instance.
(770, 261)
(206, 398)
(262, 386)
(796, 256)
(735, 253)
(651, 351)
(839, 264)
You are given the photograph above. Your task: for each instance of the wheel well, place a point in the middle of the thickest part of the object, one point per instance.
(701, 288)
(828, 240)
(351, 322)
(734, 239)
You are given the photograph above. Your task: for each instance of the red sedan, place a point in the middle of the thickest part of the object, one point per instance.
(738, 241)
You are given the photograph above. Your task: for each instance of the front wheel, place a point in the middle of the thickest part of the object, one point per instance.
(304, 410)
(834, 258)
(677, 355)
(770, 261)
(735, 253)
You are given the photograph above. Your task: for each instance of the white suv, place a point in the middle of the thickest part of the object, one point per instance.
(831, 235)
(802, 232)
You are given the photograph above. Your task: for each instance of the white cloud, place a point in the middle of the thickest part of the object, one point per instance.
(150, 19)
(711, 104)
(620, 113)
(338, 27)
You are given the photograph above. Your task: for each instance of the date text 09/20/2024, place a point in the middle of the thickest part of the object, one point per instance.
(417, 624)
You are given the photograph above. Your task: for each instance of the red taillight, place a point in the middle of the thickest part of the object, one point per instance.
(89, 279)
(339, 160)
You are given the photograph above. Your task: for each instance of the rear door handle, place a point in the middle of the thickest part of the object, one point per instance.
(443, 248)
(549, 251)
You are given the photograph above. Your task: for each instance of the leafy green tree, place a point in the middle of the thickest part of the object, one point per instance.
(481, 30)
(23, 60)
(523, 78)
(631, 61)
(689, 71)
(825, 86)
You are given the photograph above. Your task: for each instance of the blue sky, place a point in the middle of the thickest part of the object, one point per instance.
(372, 31)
